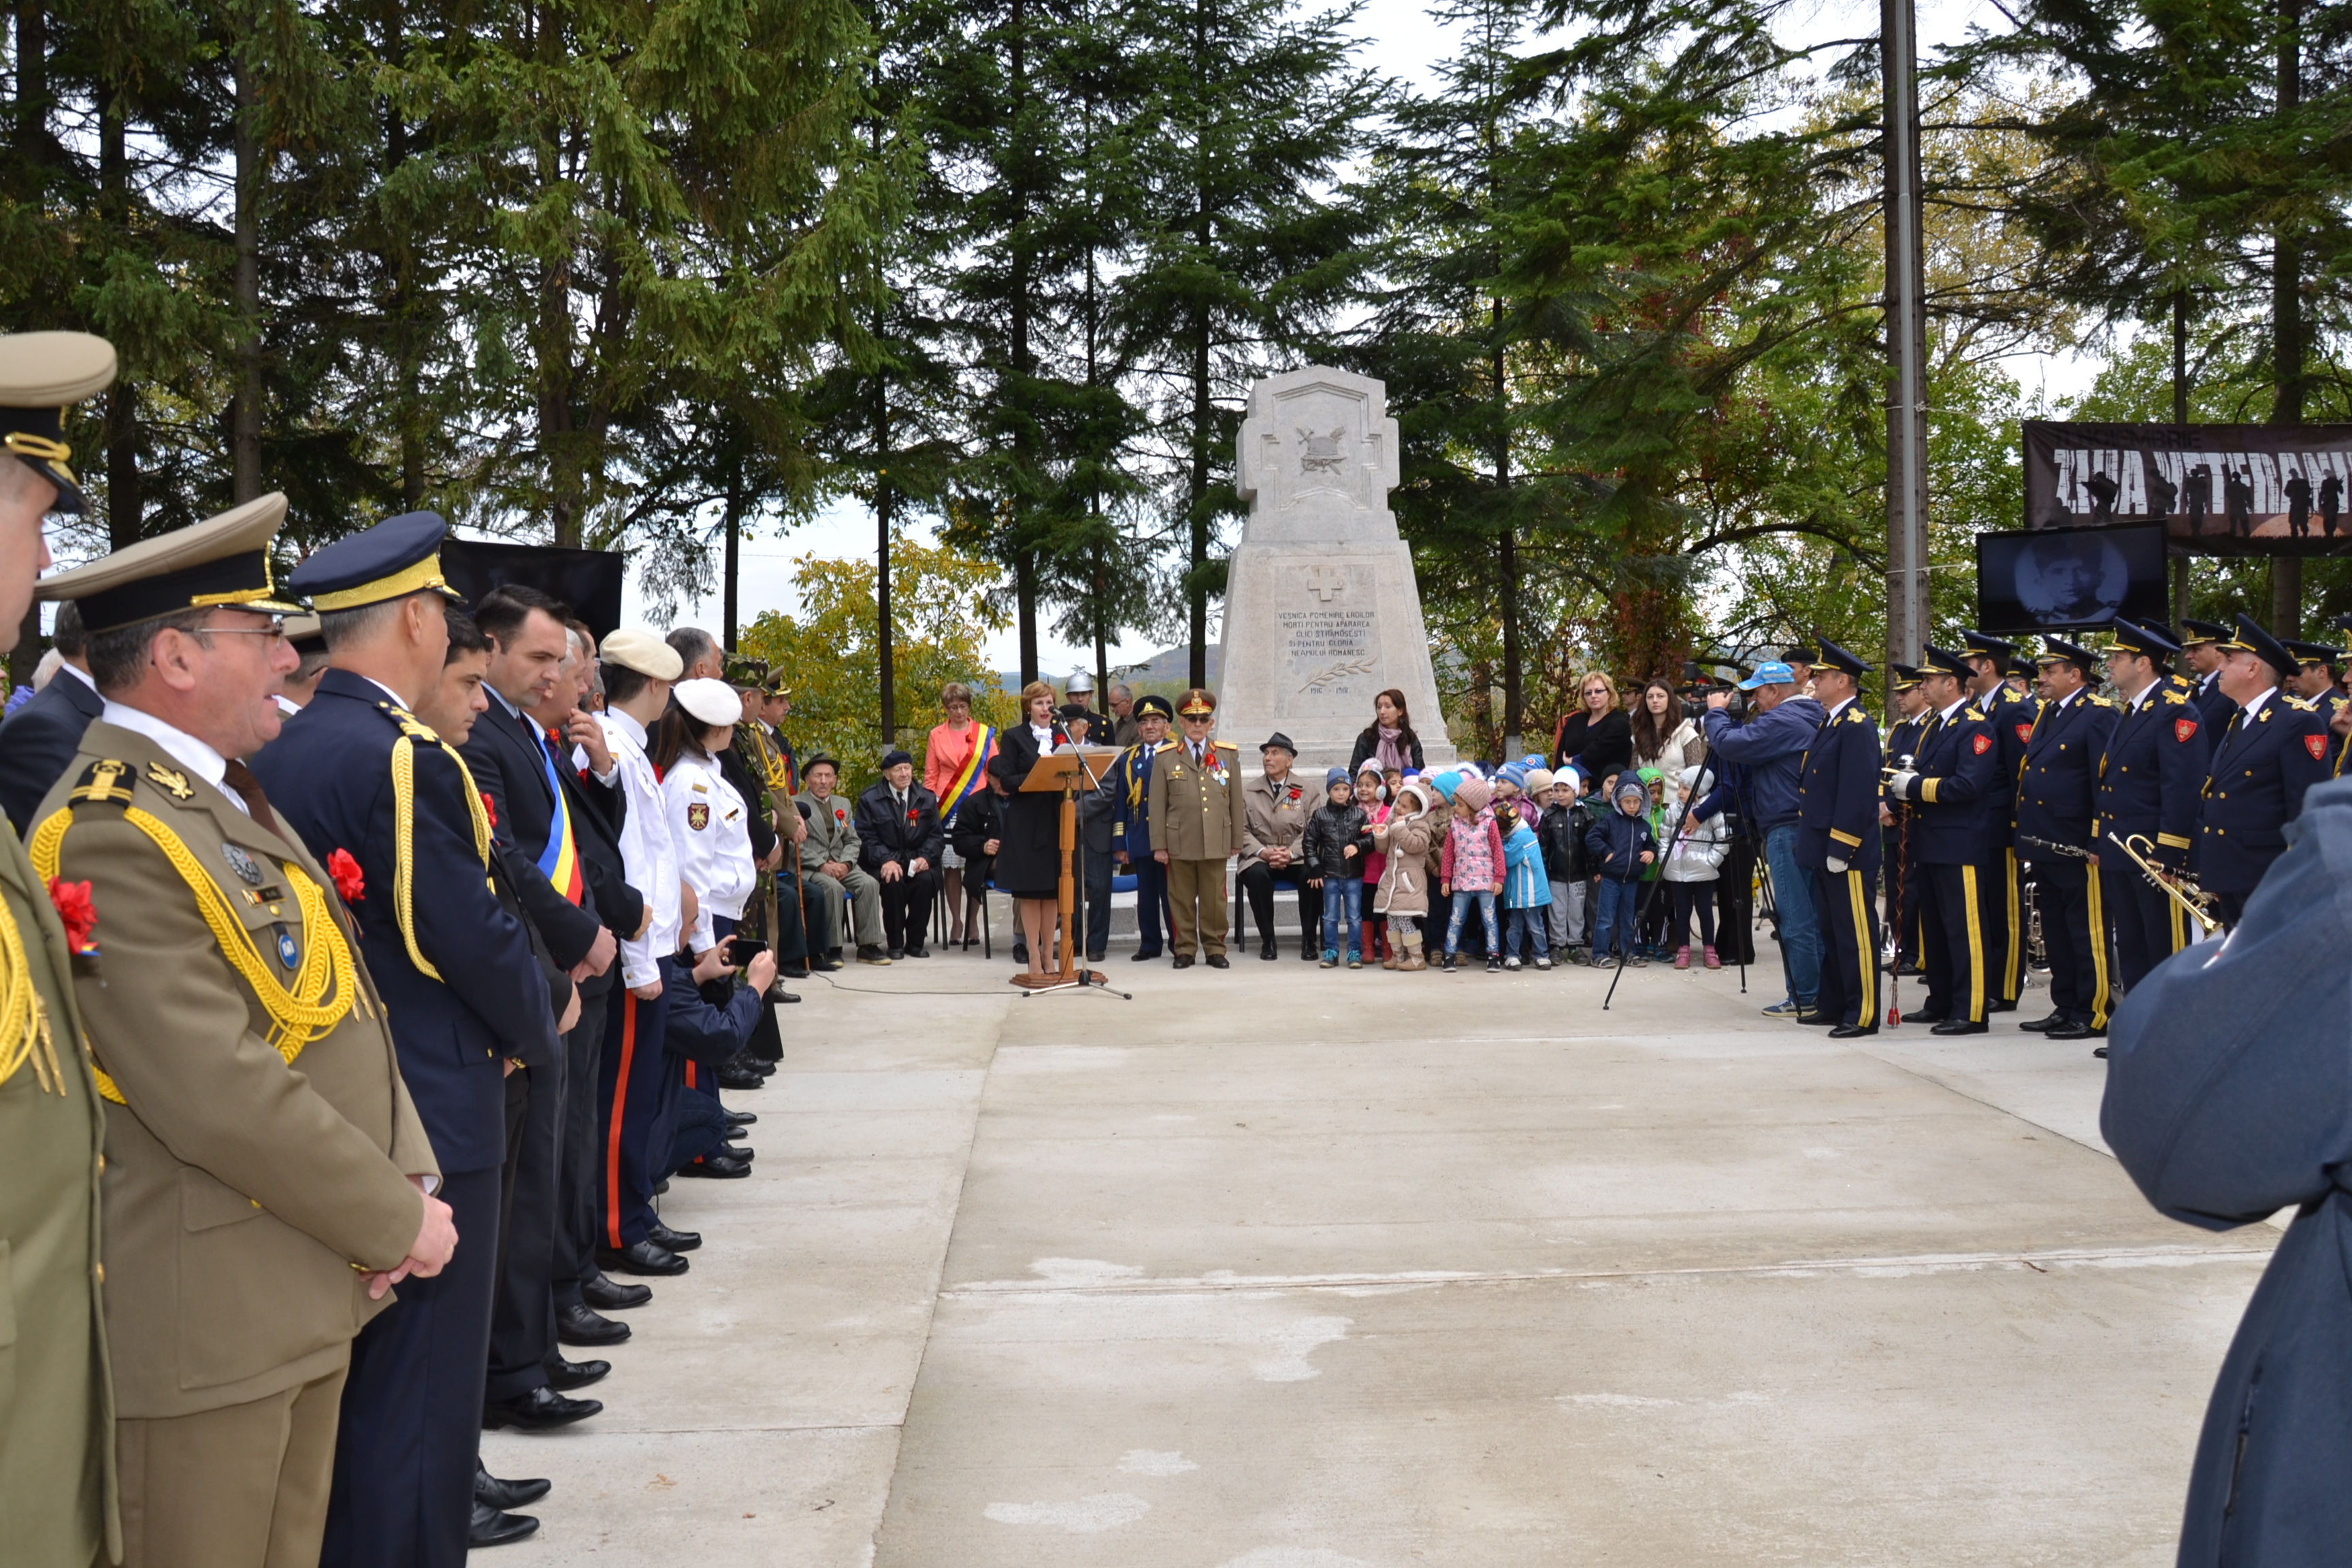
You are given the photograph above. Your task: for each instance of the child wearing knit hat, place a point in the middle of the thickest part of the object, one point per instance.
(1622, 849)
(1472, 871)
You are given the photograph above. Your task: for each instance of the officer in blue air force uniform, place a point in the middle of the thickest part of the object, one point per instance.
(2009, 714)
(2150, 780)
(2274, 748)
(356, 774)
(1837, 840)
(2207, 646)
(2054, 808)
(1954, 782)
(1128, 783)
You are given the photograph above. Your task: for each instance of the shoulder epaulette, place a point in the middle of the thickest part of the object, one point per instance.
(2305, 703)
(2178, 699)
(1972, 715)
(1228, 745)
(102, 780)
(1855, 716)
(2103, 701)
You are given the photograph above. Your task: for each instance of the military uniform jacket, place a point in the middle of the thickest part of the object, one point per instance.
(57, 1395)
(1275, 817)
(2212, 704)
(243, 1191)
(2151, 775)
(2254, 787)
(1837, 798)
(1195, 810)
(2062, 762)
(465, 989)
(1958, 790)
(2009, 715)
(1128, 783)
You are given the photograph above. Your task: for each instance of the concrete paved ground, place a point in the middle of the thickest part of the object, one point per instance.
(1283, 1268)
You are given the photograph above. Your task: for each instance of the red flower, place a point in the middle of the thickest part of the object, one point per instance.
(490, 806)
(75, 909)
(346, 873)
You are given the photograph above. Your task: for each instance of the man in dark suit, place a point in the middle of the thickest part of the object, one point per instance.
(40, 738)
(1837, 840)
(1955, 785)
(899, 841)
(2054, 808)
(2274, 748)
(2150, 780)
(359, 777)
(513, 765)
(2009, 713)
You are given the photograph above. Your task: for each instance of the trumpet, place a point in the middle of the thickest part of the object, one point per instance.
(2179, 889)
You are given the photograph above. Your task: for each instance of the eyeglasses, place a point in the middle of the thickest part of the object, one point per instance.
(276, 632)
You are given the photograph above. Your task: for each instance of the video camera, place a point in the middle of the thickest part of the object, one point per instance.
(1700, 679)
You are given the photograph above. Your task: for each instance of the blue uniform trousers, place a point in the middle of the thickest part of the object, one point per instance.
(1952, 941)
(1848, 932)
(629, 1084)
(522, 1317)
(2001, 910)
(2074, 935)
(411, 1416)
(2150, 927)
(1151, 904)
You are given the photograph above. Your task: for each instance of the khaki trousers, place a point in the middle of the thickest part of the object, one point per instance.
(241, 1486)
(1196, 899)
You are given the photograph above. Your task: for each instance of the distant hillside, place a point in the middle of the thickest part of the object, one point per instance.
(1167, 668)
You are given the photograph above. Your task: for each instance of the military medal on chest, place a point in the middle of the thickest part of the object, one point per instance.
(247, 869)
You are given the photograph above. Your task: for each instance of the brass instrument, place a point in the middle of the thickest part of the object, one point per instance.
(2178, 888)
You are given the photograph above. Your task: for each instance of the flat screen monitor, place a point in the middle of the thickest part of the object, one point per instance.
(2063, 579)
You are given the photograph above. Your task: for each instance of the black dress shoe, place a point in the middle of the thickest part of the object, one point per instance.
(564, 1376)
(918, 951)
(540, 1410)
(743, 1152)
(1217, 961)
(1183, 961)
(579, 1326)
(794, 972)
(2099, 1051)
(641, 1258)
(1098, 958)
(2043, 1026)
(780, 994)
(742, 1118)
(1926, 1016)
(675, 1240)
(2081, 1029)
(1829, 1020)
(2001, 1004)
(490, 1491)
(1853, 1031)
(735, 1078)
(823, 966)
(896, 953)
(1143, 957)
(715, 1167)
(1265, 951)
(1959, 1026)
(489, 1526)
(612, 1296)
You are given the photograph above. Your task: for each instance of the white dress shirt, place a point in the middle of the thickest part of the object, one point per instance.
(647, 854)
(190, 753)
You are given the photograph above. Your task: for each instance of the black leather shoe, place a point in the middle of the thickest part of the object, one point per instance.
(579, 1326)
(2043, 1026)
(743, 1152)
(1143, 957)
(1926, 1016)
(540, 1410)
(824, 965)
(869, 953)
(612, 1296)
(1309, 954)
(2080, 1030)
(1183, 961)
(716, 1167)
(563, 1376)
(490, 1491)
(896, 953)
(742, 1118)
(641, 1258)
(918, 951)
(1265, 951)
(1959, 1026)
(489, 1526)
(1853, 1031)
(1829, 1020)
(675, 1240)
(1217, 961)
(2001, 1004)
(2100, 1052)
(778, 993)
(736, 1079)
(794, 972)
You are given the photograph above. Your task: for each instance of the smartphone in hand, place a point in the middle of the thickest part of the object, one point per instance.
(743, 950)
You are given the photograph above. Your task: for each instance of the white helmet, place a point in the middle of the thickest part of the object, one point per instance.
(1079, 681)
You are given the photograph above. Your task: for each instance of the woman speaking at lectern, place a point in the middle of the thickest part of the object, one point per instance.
(1029, 861)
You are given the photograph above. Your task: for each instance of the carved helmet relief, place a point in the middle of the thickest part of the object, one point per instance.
(1320, 454)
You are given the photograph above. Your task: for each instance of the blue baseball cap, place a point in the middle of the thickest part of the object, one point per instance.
(1772, 672)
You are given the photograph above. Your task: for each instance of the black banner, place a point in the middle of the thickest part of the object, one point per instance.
(587, 580)
(2218, 490)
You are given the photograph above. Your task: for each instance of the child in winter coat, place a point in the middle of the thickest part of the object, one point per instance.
(1402, 896)
(1622, 850)
(1697, 848)
(1560, 830)
(1526, 894)
(1337, 838)
(1374, 797)
(1473, 870)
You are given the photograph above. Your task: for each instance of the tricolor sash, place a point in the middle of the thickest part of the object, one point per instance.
(560, 861)
(967, 780)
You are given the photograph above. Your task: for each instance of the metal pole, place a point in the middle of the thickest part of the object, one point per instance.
(1907, 322)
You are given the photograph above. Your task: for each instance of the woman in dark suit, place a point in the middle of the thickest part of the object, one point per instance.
(1597, 739)
(1029, 858)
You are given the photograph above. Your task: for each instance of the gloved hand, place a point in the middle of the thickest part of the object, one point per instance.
(2166, 856)
(1902, 779)
(1836, 866)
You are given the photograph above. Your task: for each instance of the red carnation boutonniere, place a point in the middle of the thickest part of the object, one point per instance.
(349, 884)
(79, 915)
(490, 806)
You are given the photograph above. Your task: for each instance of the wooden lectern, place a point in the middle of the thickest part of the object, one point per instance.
(1081, 767)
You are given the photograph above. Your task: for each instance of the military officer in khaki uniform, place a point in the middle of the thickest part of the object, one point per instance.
(267, 1180)
(1196, 819)
(56, 1420)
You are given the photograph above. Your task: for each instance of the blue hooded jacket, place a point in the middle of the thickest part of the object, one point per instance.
(1770, 748)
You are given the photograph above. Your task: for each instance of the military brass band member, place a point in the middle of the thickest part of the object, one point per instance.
(264, 1160)
(1837, 840)
(369, 786)
(1128, 783)
(2149, 782)
(2010, 711)
(1905, 885)
(2271, 749)
(2203, 642)
(1954, 782)
(1195, 821)
(57, 1413)
(2054, 807)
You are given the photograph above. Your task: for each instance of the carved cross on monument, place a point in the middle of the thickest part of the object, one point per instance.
(1326, 584)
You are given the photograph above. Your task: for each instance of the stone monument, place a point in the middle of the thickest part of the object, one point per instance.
(1322, 613)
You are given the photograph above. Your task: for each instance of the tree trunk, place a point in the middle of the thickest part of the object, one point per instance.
(734, 547)
(884, 507)
(245, 407)
(1510, 554)
(1023, 539)
(1197, 592)
(2286, 322)
(122, 500)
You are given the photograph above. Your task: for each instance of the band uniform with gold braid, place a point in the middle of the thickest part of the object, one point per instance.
(325, 988)
(25, 1035)
(414, 731)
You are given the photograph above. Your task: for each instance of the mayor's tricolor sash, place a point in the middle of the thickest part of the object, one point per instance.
(967, 780)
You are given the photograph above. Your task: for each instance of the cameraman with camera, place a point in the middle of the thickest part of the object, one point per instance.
(1768, 745)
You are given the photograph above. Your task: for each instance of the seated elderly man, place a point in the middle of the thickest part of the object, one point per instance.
(899, 833)
(830, 858)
